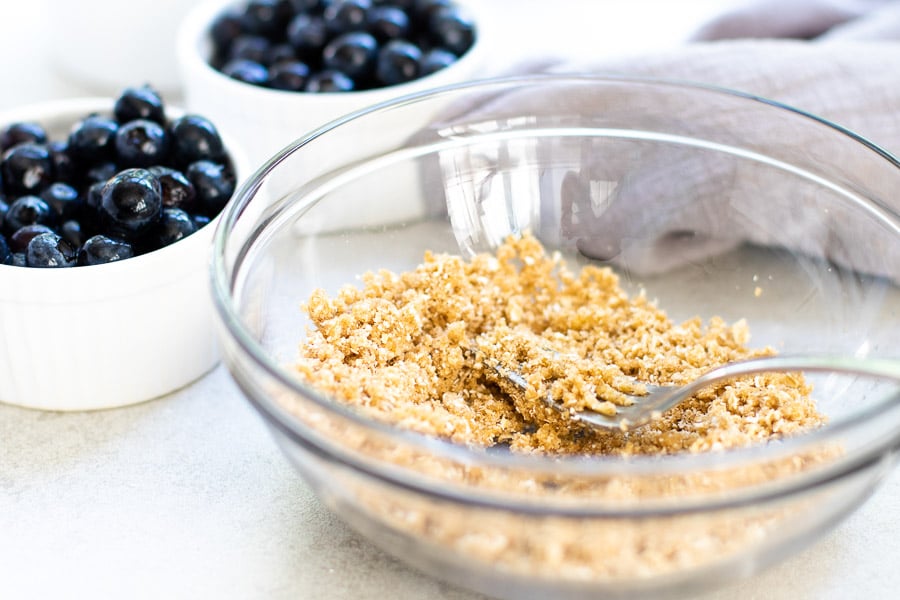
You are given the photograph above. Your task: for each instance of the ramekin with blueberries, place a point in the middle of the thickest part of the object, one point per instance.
(118, 186)
(338, 45)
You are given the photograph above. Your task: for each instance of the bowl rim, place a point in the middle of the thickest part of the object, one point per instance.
(222, 279)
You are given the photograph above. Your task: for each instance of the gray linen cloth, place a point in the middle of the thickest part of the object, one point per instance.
(846, 69)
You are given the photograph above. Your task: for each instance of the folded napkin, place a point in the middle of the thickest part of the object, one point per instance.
(842, 77)
(802, 19)
(853, 84)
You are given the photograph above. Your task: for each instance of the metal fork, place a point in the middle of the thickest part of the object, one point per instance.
(660, 398)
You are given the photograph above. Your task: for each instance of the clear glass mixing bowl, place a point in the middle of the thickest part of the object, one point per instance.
(712, 201)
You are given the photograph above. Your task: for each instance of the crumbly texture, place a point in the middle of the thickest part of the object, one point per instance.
(604, 550)
(431, 349)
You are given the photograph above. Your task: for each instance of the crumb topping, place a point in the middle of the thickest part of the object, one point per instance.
(445, 348)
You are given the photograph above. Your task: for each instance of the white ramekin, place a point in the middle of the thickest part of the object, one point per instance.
(108, 335)
(264, 120)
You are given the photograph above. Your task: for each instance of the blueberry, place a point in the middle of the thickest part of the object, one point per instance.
(22, 133)
(62, 198)
(246, 71)
(64, 168)
(17, 259)
(174, 224)
(50, 250)
(290, 76)
(139, 103)
(214, 183)
(398, 62)
(435, 60)
(27, 210)
(177, 190)
(131, 202)
(307, 34)
(265, 17)
(280, 53)
(4, 208)
(94, 195)
(89, 215)
(453, 29)
(100, 249)
(141, 143)
(250, 47)
(352, 54)
(26, 169)
(423, 10)
(387, 23)
(344, 16)
(226, 28)
(405, 5)
(5, 254)
(309, 6)
(72, 232)
(194, 138)
(100, 173)
(92, 140)
(200, 221)
(18, 241)
(329, 80)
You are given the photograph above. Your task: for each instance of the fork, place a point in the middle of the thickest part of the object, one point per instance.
(660, 398)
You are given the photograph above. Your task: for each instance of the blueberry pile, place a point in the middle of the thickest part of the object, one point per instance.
(338, 45)
(118, 186)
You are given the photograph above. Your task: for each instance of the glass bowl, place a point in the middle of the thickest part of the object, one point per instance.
(709, 201)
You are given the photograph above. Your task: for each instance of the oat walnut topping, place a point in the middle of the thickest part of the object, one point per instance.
(420, 349)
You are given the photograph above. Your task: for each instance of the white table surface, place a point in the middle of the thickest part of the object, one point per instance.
(187, 496)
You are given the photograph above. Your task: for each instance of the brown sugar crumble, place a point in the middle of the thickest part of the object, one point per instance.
(424, 350)
(421, 349)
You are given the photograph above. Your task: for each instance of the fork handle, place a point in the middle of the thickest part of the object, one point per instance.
(883, 368)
